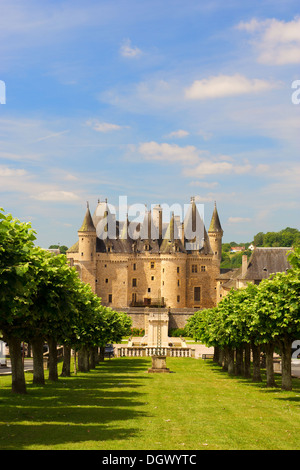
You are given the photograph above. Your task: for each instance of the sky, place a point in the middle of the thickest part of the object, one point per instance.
(152, 101)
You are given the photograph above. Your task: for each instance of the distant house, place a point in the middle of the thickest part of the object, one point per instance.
(55, 251)
(263, 262)
(236, 249)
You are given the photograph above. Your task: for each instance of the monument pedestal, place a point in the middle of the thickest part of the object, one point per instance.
(159, 364)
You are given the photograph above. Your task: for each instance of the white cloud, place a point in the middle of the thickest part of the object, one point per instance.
(5, 172)
(178, 134)
(129, 51)
(225, 85)
(51, 136)
(169, 152)
(56, 196)
(277, 42)
(238, 220)
(204, 184)
(104, 126)
(209, 167)
(70, 177)
(196, 163)
(204, 134)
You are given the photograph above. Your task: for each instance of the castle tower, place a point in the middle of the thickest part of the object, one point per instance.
(215, 233)
(87, 238)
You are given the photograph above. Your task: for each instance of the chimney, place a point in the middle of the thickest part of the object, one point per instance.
(244, 265)
(157, 222)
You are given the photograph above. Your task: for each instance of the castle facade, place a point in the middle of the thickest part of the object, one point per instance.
(135, 269)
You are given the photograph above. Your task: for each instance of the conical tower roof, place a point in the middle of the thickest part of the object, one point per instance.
(215, 224)
(87, 224)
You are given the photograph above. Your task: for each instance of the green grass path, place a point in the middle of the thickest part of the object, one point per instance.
(119, 406)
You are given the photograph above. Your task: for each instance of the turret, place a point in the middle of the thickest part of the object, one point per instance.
(87, 238)
(215, 233)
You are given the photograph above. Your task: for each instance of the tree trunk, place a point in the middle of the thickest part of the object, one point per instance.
(286, 364)
(53, 374)
(247, 362)
(256, 377)
(221, 357)
(83, 360)
(93, 357)
(29, 347)
(38, 361)
(75, 362)
(66, 368)
(216, 354)
(224, 360)
(97, 358)
(239, 361)
(231, 361)
(17, 368)
(270, 365)
(101, 353)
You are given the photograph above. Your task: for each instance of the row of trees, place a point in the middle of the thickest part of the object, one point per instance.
(259, 318)
(43, 300)
(286, 237)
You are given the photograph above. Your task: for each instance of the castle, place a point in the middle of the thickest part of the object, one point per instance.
(173, 264)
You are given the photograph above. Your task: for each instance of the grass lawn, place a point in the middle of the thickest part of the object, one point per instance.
(119, 406)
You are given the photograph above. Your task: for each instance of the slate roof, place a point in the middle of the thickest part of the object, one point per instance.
(170, 242)
(87, 224)
(265, 261)
(215, 224)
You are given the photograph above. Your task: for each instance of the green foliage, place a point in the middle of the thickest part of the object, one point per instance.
(16, 280)
(137, 332)
(177, 332)
(63, 248)
(269, 312)
(233, 260)
(286, 237)
(41, 296)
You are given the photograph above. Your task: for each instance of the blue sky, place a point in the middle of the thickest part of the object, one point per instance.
(156, 101)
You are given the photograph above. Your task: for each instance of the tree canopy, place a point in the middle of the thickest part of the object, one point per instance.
(266, 316)
(43, 299)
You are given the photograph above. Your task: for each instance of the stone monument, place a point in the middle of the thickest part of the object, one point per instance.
(158, 333)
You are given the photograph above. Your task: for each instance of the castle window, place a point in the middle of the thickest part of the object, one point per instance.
(134, 282)
(178, 298)
(110, 298)
(134, 267)
(196, 294)
(152, 265)
(134, 297)
(178, 269)
(202, 268)
(106, 280)
(152, 278)
(194, 268)
(82, 253)
(149, 290)
(178, 282)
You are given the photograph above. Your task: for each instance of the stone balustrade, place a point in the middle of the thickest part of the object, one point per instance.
(136, 351)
